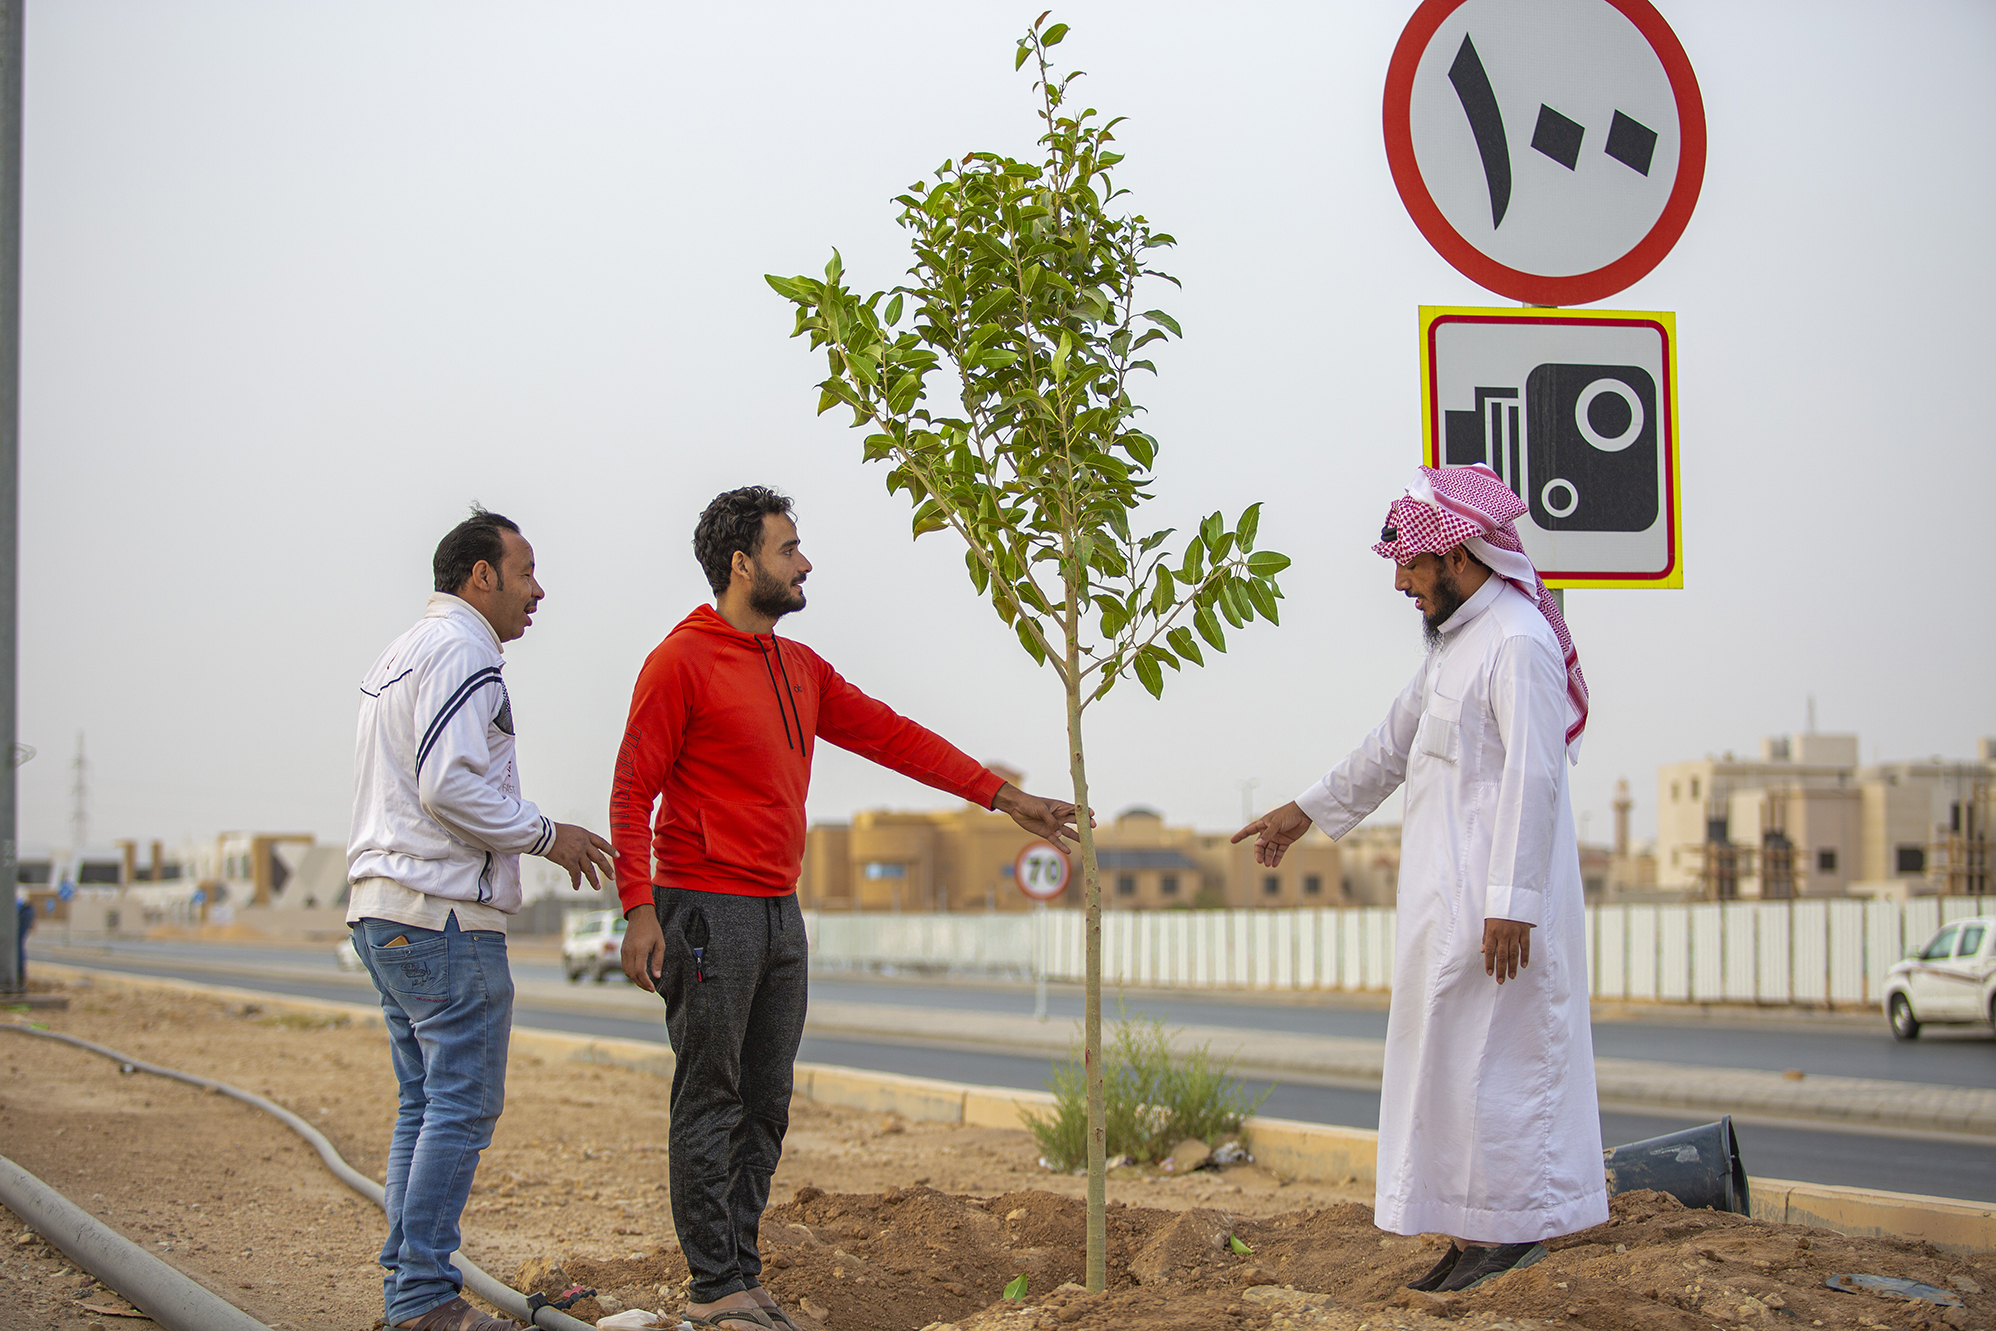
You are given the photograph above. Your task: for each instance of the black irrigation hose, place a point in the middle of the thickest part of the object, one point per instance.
(508, 1300)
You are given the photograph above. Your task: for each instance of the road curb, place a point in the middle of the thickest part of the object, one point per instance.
(1311, 1151)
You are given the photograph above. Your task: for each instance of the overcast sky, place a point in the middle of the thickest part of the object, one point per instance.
(304, 280)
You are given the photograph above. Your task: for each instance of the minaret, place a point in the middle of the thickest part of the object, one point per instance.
(1622, 806)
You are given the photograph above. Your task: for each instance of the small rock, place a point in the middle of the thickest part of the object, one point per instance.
(1774, 1300)
(812, 1308)
(1188, 1155)
(892, 1194)
(1074, 1311)
(1621, 1247)
(952, 1287)
(1015, 1216)
(1955, 1316)
(609, 1303)
(1964, 1284)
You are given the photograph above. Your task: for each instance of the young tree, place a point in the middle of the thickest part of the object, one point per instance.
(1026, 283)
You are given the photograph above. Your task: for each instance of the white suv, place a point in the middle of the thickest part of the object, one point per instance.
(593, 945)
(1951, 979)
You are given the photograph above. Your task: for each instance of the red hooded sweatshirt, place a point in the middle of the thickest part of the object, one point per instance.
(723, 724)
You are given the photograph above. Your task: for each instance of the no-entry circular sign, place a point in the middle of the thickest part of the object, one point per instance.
(1041, 871)
(1551, 150)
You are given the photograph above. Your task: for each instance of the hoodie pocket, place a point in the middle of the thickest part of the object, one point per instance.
(766, 840)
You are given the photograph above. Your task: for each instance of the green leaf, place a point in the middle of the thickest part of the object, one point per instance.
(1249, 524)
(1016, 1287)
(1053, 35)
(1209, 629)
(1160, 317)
(1264, 601)
(1181, 642)
(1162, 596)
(1150, 676)
(1266, 564)
(1029, 641)
(893, 315)
(1025, 54)
(1060, 356)
(1234, 1242)
(980, 577)
(1228, 609)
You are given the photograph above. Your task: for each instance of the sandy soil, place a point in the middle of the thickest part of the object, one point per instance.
(877, 1224)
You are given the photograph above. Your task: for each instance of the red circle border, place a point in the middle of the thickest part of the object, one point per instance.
(1465, 258)
(1020, 859)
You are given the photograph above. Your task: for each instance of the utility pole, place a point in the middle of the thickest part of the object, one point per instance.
(11, 18)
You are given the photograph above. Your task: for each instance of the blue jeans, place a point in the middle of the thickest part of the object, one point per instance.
(448, 998)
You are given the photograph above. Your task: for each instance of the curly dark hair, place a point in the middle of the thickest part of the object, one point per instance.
(476, 538)
(733, 522)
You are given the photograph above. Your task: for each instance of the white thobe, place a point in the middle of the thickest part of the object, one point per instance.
(1488, 1122)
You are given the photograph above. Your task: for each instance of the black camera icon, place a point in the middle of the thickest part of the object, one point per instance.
(1585, 458)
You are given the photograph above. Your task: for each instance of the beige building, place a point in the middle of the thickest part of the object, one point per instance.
(1807, 819)
(962, 860)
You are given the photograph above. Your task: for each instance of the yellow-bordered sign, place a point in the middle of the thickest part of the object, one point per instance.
(1577, 411)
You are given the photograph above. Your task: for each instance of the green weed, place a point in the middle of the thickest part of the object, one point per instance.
(1152, 1098)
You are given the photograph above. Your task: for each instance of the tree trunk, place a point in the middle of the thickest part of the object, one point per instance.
(1091, 1021)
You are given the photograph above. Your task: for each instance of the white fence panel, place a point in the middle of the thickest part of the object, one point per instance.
(1776, 957)
(1673, 955)
(1739, 945)
(1644, 951)
(1922, 921)
(1305, 923)
(1610, 971)
(1708, 951)
(1809, 952)
(1262, 934)
(1351, 949)
(1959, 908)
(1889, 934)
(1850, 943)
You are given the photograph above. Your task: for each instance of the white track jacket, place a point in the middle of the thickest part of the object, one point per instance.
(436, 801)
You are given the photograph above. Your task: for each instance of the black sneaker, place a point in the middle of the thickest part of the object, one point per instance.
(1432, 1281)
(1477, 1265)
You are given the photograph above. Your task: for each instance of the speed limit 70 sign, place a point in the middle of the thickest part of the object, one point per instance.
(1041, 871)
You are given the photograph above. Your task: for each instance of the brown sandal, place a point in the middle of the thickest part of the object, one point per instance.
(728, 1319)
(457, 1315)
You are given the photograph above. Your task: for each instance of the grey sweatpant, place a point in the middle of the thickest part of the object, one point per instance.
(735, 988)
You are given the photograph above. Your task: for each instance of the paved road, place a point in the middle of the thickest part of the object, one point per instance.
(1899, 1164)
(1963, 1057)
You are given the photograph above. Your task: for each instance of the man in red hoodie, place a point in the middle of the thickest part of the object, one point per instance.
(724, 720)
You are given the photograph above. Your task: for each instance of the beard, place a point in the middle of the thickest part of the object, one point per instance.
(773, 598)
(1447, 598)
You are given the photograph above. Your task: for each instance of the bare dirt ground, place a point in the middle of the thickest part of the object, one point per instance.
(877, 1224)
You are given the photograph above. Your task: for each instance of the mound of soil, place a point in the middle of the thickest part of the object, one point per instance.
(914, 1258)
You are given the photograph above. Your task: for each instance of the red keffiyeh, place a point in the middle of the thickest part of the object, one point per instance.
(1451, 506)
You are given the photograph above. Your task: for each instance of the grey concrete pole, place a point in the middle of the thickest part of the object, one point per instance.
(11, 18)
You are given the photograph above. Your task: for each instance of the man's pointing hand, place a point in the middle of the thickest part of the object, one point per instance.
(583, 854)
(1274, 832)
(1051, 819)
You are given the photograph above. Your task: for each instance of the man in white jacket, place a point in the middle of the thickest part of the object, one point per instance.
(434, 862)
(1488, 1127)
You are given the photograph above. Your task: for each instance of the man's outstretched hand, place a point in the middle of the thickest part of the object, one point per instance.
(644, 947)
(1274, 832)
(582, 853)
(1507, 946)
(1052, 819)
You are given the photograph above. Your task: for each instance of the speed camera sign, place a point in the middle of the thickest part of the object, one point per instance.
(1041, 871)
(1551, 150)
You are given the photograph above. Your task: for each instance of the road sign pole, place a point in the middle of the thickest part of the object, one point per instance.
(11, 18)
(1040, 963)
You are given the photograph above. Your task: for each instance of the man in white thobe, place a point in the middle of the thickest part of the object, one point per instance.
(1488, 1124)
